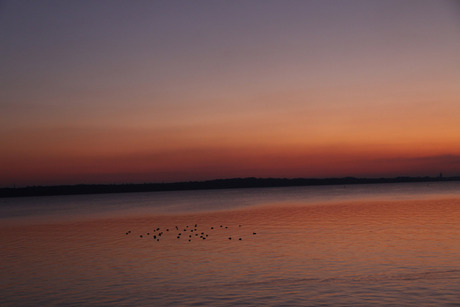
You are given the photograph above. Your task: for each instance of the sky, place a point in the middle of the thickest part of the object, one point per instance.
(164, 91)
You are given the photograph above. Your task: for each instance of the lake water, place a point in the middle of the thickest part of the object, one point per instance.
(354, 245)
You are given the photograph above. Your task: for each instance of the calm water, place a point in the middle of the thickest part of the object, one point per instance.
(393, 244)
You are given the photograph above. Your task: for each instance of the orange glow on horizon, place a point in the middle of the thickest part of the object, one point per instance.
(201, 162)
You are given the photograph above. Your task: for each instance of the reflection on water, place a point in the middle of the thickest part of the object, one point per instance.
(402, 252)
(83, 207)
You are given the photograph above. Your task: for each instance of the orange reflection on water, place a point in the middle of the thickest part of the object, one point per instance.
(297, 249)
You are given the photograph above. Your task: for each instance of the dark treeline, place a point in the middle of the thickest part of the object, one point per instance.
(204, 185)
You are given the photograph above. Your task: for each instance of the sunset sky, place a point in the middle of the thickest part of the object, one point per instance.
(161, 91)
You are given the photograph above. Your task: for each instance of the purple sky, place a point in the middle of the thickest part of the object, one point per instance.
(116, 91)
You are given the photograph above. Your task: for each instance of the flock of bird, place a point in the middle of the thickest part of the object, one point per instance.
(188, 232)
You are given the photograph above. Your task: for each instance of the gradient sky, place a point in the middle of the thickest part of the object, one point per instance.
(159, 91)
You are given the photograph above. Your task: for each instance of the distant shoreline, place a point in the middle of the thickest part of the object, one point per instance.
(234, 183)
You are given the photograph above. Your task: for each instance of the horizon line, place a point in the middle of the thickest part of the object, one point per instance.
(221, 183)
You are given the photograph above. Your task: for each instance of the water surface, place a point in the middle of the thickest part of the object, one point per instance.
(355, 245)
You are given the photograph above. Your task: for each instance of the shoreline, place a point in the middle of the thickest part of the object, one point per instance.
(234, 183)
